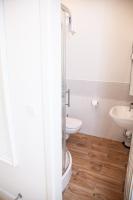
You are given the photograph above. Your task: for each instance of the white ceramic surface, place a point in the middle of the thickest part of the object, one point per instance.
(67, 175)
(122, 116)
(73, 125)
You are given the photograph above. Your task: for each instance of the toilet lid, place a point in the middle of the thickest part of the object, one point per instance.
(72, 123)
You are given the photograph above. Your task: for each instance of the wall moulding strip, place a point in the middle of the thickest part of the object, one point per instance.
(118, 91)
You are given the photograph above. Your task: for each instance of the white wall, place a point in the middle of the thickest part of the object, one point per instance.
(98, 60)
(100, 50)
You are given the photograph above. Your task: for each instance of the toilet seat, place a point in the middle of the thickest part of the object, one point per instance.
(72, 125)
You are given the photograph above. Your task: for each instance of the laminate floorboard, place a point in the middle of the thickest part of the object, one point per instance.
(99, 168)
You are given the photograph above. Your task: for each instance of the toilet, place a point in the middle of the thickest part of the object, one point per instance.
(72, 126)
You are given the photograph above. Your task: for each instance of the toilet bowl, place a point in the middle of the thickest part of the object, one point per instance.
(72, 125)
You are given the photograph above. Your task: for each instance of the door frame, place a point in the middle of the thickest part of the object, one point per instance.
(50, 29)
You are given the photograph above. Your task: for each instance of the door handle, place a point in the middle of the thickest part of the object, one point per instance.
(68, 96)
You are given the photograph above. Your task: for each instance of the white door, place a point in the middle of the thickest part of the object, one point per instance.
(30, 129)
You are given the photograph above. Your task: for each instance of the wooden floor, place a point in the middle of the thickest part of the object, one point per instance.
(99, 167)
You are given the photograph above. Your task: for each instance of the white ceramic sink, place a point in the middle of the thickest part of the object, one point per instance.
(122, 116)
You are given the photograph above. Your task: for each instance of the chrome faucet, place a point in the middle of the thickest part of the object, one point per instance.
(131, 107)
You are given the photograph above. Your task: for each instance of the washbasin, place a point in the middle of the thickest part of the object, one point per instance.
(122, 116)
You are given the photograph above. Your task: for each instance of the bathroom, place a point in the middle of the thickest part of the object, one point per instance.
(98, 52)
(85, 46)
